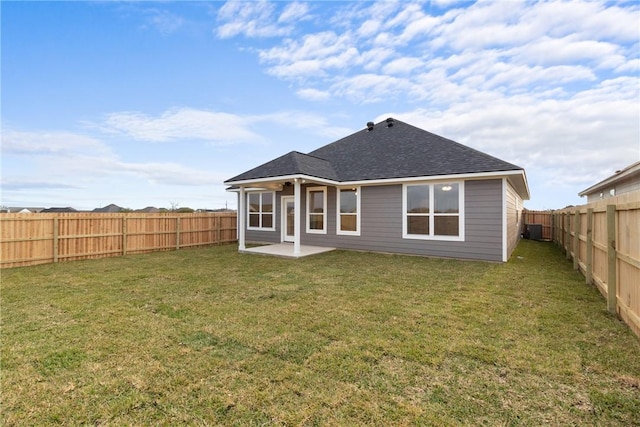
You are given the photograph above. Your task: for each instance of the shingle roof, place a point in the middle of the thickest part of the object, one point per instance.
(292, 163)
(109, 208)
(397, 151)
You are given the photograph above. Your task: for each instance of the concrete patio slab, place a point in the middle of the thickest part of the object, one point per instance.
(286, 250)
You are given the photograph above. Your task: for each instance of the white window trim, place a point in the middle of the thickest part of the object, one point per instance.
(324, 210)
(338, 215)
(431, 214)
(273, 213)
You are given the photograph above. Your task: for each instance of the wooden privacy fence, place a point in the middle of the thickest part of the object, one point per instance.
(29, 239)
(603, 241)
(544, 219)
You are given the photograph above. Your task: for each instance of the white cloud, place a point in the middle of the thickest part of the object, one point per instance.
(166, 173)
(574, 140)
(313, 94)
(255, 19)
(181, 124)
(61, 142)
(68, 159)
(316, 124)
(369, 88)
(402, 65)
(547, 51)
(163, 21)
(369, 28)
(294, 11)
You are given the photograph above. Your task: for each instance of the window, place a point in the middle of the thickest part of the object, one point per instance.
(261, 210)
(316, 209)
(348, 201)
(433, 211)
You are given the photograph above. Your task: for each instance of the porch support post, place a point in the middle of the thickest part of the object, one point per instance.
(296, 216)
(241, 218)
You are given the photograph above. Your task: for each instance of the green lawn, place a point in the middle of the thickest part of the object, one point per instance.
(213, 337)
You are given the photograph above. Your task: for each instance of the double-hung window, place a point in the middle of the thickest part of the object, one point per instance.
(317, 210)
(261, 210)
(433, 211)
(348, 202)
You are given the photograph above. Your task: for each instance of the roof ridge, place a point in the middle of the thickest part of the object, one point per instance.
(310, 155)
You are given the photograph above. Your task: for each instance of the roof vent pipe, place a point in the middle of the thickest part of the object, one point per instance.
(369, 126)
(389, 122)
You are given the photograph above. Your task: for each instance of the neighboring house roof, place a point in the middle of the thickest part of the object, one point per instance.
(149, 209)
(631, 171)
(67, 209)
(387, 150)
(109, 208)
(23, 210)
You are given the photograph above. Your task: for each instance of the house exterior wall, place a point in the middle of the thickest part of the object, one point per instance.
(381, 224)
(513, 208)
(258, 236)
(632, 183)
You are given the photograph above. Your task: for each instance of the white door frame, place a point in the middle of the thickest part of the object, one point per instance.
(283, 218)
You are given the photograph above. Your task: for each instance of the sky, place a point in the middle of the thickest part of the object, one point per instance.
(157, 103)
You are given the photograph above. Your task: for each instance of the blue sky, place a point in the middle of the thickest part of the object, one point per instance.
(153, 104)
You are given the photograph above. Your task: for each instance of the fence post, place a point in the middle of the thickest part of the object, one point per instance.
(561, 230)
(124, 235)
(567, 234)
(576, 241)
(177, 232)
(612, 300)
(219, 230)
(55, 239)
(588, 274)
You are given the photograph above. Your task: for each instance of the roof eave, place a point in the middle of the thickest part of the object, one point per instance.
(273, 179)
(518, 178)
(628, 172)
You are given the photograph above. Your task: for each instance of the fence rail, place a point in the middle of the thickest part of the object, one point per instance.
(29, 239)
(603, 241)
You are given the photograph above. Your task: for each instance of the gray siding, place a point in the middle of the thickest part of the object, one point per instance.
(258, 236)
(514, 213)
(622, 186)
(381, 221)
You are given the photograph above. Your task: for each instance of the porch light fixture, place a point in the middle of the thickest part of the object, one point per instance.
(446, 187)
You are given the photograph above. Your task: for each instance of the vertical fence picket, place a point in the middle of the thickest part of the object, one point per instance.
(124, 236)
(588, 276)
(55, 239)
(611, 259)
(76, 236)
(576, 240)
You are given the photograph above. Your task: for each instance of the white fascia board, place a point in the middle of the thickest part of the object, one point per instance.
(249, 189)
(390, 181)
(452, 177)
(526, 195)
(307, 178)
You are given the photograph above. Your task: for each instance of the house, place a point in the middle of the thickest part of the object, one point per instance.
(59, 210)
(22, 210)
(149, 209)
(108, 209)
(390, 187)
(623, 181)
